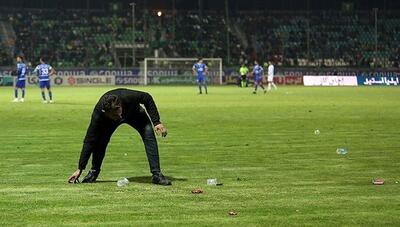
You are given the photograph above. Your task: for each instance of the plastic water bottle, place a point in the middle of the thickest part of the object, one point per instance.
(341, 151)
(212, 182)
(123, 182)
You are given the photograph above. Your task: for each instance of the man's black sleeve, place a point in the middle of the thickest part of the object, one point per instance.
(87, 150)
(151, 108)
(89, 141)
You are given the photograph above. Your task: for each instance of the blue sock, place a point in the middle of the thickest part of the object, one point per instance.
(43, 96)
(16, 93)
(23, 93)
(50, 95)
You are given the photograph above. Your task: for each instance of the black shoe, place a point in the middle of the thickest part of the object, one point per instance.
(254, 92)
(160, 179)
(91, 176)
(265, 92)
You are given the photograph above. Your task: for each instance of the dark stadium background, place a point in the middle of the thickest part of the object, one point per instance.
(292, 33)
(207, 4)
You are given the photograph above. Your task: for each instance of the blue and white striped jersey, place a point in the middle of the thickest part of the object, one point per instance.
(258, 70)
(21, 71)
(200, 68)
(43, 71)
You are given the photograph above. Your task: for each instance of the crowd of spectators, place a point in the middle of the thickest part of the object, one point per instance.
(327, 38)
(198, 35)
(5, 58)
(294, 38)
(68, 39)
(289, 38)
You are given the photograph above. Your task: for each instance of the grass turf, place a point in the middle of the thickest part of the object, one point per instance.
(274, 169)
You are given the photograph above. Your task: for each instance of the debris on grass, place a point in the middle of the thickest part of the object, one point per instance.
(197, 191)
(212, 182)
(341, 151)
(378, 181)
(232, 213)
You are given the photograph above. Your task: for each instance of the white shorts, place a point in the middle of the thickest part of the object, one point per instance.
(270, 79)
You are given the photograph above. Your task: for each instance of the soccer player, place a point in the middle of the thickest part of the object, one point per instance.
(201, 70)
(44, 71)
(243, 75)
(270, 78)
(21, 77)
(114, 108)
(258, 77)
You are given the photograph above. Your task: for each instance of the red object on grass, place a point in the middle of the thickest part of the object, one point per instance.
(197, 191)
(378, 181)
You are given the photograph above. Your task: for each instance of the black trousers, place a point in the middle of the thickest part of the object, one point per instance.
(98, 142)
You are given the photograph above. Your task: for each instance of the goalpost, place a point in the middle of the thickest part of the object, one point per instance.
(179, 70)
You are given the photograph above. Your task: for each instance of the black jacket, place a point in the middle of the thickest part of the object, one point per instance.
(101, 127)
(130, 101)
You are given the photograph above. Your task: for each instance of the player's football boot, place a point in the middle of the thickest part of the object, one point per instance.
(91, 176)
(160, 179)
(15, 100)
(22, 100)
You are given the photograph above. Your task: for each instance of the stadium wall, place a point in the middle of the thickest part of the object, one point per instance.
(284, 76)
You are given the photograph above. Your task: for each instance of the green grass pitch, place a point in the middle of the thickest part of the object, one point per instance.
(274, 169)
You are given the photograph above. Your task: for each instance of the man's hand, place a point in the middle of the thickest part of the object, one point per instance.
(74, 178)
(161, 130)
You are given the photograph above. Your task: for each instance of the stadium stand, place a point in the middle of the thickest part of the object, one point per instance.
(80, 38)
